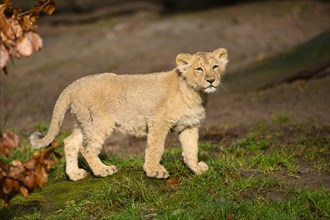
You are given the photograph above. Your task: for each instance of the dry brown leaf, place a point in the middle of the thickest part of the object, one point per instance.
(47, 160)
(16, 13)
(4, 56)
(17, 177)
(27, 24)
(31, 164)
(4, 27)
(9, 139)
(10, 186)
(49, 8)
(16, 169)
(23, 47)
(55, 143)
(230, 216)
(41, 176)
(34, 14)
(5, 151)
(35, 40)
(172, 181)
(37, 156)
(30, 180)
(24, 191)
(15, 30)
(4, 6)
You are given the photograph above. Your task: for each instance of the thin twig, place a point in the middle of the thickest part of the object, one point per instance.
(41, 7)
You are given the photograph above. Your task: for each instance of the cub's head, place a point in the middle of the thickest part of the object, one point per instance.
(202, 70)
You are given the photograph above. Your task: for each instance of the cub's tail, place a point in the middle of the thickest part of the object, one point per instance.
(62, 104)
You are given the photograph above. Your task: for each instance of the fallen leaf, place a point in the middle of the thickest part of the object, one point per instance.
(29, 180)
(172, 181)
(9, 139)
(41, 176)
(5, 151)
(18, 177)
(16, 168)
(10, 186)
(31, 164)
(229, 216)
(24, 191)
(55, 144)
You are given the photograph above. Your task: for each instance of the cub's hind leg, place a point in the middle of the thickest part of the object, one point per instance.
(93, 141)
(72, 144)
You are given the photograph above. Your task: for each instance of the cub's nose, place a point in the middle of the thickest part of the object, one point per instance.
(210, 80)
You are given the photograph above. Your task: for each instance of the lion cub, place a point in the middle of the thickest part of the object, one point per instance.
(149, 104)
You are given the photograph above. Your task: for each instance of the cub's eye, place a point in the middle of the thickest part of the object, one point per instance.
(199, 69)
(215, 67)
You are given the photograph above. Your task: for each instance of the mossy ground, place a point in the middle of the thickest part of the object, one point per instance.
(277, 170)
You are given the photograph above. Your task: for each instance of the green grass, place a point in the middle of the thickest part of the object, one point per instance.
(281, 118)
(252, 178)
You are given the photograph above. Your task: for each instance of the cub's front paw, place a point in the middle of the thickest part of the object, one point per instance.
(199, 168)
(105, 171)
(76, 174)
(158, 172)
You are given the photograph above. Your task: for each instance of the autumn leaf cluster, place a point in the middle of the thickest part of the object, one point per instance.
(8, 141)
(22, 177)
(17, 36)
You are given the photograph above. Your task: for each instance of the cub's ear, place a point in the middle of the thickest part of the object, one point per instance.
(221, 54)
(183, 61)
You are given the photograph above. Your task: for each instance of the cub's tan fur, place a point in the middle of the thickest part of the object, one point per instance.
(149, 104)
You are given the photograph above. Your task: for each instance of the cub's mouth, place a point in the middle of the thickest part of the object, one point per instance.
(210, 89)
